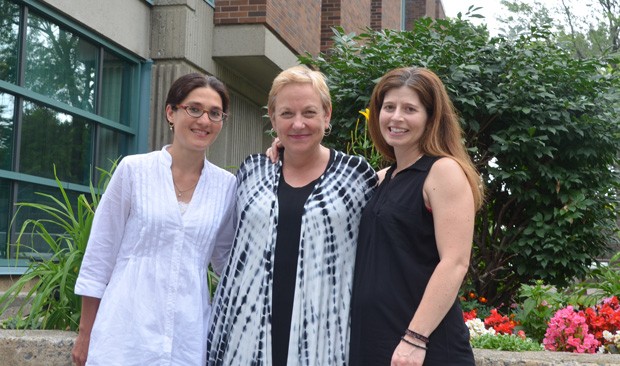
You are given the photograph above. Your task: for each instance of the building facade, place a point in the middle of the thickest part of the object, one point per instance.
(84, 83)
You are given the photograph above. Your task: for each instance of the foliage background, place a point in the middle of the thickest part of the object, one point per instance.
(542, 127)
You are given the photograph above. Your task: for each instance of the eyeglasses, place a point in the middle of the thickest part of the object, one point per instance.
(215, 115)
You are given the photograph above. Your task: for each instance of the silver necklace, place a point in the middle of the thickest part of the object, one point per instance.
(180, 192)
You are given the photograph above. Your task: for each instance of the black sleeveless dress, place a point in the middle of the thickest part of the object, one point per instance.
(396, 256)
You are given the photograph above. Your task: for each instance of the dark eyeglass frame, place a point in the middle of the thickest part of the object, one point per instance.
(221, 118)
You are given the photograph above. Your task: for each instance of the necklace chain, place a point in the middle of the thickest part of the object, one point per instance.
(179, 191)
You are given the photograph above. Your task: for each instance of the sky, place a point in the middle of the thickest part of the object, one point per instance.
(491, 9)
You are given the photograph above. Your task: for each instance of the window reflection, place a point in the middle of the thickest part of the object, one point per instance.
(60, 64)
(7, 103)
(9, 26)
(116, 88)
(112, 145)
(5, 191)
(51, 138)
(34, 246)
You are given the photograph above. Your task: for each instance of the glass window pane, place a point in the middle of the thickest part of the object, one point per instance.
(112, 145)
(7, 103)
(51, 138)
(9, 24)
(60, 64)
(5, 191)
(116, 88)
(32, 245)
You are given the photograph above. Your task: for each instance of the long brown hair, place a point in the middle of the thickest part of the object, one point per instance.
(443, 135)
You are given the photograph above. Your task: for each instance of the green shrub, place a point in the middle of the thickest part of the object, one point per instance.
(505, 342)
(602, 281)
(540, 126)
(540, 302)
(51, 301)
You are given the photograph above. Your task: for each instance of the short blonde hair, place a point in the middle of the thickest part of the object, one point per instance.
(299, 75)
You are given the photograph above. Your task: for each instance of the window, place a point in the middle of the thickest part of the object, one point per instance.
(69, 101)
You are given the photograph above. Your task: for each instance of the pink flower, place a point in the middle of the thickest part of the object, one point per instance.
(568, 331)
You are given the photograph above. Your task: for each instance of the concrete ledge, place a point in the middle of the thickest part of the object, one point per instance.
(53, 348)
(486, 357)
(36, 347)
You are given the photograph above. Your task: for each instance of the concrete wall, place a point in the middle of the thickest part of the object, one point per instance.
(125, 22)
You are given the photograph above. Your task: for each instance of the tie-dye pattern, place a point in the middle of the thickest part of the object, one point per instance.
(241, 318)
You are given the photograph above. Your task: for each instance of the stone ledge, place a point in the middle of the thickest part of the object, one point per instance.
(53, 348)
(486, 357)
(36, 347)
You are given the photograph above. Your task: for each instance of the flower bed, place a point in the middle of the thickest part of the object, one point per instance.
(593, 329)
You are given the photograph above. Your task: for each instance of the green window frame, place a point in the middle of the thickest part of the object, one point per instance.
(70, 102)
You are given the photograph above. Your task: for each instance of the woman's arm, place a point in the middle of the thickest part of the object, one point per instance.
(79, 354)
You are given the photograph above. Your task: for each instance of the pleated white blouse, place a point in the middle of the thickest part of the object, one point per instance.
(148, 263)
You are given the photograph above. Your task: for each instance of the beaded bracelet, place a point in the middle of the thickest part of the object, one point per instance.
(412, 344)
(415, 335)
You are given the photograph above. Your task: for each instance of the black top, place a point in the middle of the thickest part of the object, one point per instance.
(396, 257)
(291, 201)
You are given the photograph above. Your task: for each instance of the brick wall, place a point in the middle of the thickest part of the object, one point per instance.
(240, 11)
(440, 12)
(351, 15)
(330, 17)
(295, 22)
(391, 14)
(415, 9)
(356, 15)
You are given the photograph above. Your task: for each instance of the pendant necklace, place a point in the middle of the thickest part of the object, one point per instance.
(180, 192)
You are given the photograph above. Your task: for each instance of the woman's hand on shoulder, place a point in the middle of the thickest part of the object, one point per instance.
(272, 151)
(381, 174)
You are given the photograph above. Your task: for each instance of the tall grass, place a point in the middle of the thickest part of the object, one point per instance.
(51, 302)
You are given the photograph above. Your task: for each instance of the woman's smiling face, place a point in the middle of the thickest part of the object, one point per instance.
(402, 118)
(299, 118)
(196, 133)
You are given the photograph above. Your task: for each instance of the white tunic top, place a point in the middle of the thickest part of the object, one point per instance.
(148, 263)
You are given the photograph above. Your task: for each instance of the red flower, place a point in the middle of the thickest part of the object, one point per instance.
(603, 316)
(469, 315)
(501, 323)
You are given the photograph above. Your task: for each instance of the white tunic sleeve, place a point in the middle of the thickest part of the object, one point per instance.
(106, 234)
(226, 234)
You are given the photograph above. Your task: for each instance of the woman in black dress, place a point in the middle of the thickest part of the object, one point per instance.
(416, 231)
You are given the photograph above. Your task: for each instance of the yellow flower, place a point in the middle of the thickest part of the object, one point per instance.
(365, 113)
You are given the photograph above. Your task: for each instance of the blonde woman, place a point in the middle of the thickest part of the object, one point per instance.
(285, 296)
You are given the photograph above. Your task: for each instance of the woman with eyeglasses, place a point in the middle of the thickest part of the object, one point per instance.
(163, 218)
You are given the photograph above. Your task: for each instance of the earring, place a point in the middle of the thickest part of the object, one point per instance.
(328, 130)
(171, 126)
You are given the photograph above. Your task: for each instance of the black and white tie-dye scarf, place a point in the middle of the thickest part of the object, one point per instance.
(241, 317)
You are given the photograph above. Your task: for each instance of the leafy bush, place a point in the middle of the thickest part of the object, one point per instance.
(505, 342)
(540, 126)
(540, 302)
(51, 301)
(602, 281)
